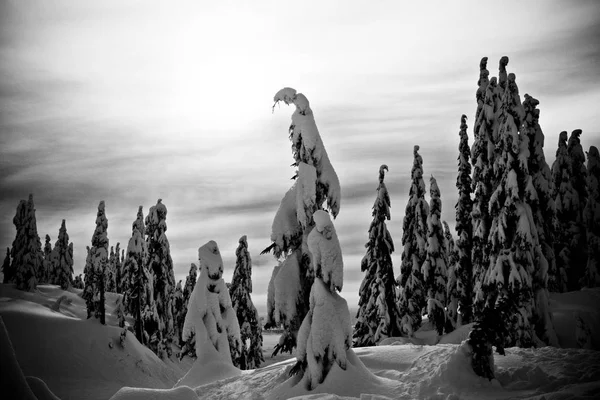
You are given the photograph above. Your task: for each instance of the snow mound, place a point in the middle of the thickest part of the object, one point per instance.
(179, 393)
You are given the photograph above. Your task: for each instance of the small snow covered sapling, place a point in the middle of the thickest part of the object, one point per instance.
(325, 334)
(210, 315)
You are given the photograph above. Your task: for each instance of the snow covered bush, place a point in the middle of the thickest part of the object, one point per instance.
(210, 316)
(26, 252)
(62, 258)
(411, 298)
(251, 355)
(591, 216)
(378, 314)
(325, 334)
(95, 267)
(463, 268)
(160, 265)
(316, 182)
(435, 266)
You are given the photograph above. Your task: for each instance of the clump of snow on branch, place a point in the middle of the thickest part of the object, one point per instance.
(326, 253)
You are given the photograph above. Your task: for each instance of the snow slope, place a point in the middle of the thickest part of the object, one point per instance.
(72, 357)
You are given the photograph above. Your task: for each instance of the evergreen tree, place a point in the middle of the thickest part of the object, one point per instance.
(78, 282)
(316, 181)
(6, 265)
(111, 271)
(463, 268)
(27, 255)
(435, 266)
(62, 258)
(95, 268)
(46, 273)
(565, 199)
(544, 214)
(135, 280)
(118, 269)
(190, 282)
(451, 283)
(250, 329)
(411, 299)
(513, 236)
(160, 265)
(178, 312)
(378, 314)
(577, 234)
(592, 219)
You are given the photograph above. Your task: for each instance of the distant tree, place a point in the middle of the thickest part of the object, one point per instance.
(451, 282)
(6, 265)
(577, 234)
(178, 312)
(592, 219)
(316, 182)
(250, 356)
(46, 272)
(463, 268)
(411, 299)
(378, 315)
(95, 269)
(566, 202)
(27, 255)
(111, 272)
(62, 258)
(78, 282)
(160, 265)
(435, 266)
(136, 281)
(119, 261)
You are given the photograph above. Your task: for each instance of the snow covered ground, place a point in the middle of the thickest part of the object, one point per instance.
(61, 352)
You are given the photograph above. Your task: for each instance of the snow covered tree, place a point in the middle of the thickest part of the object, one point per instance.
(26, 252)
(95, 268)
(160, 265)
(316, 181)
(451, 282)
(463, 268)
(119, 261)
(513, 237)
(578, 240)
(110, 278)
(325, 334)
(178, 312)
(190, 282)
(46, 273)
(210, 315)
(411, 298)
(435, 266)
(482, 157)
(251, 330)
(136, 282)
(544, 214)
(78, 282)
(378, 315)
(62, 258)
(591, 217)
(566, 202)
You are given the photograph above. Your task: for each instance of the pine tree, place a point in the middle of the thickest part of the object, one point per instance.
(483, 154)
(316, 181)
(135, 280)
(250, 329)
(544, 214)
(451, 283)
(378, 314)
(463, 268)
(435, 266)
(178, 312)
(411, 299)
(160, 265)
(62, 258)
(118, 268)
(513, 236)
(27, 255)
(78, 282)
(565, 199)
(46, 272)
(592, 219)
(109, 277)
(6, 265)
(95, 268)
(577, 235)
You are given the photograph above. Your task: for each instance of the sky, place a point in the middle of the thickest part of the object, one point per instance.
(129, 102)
